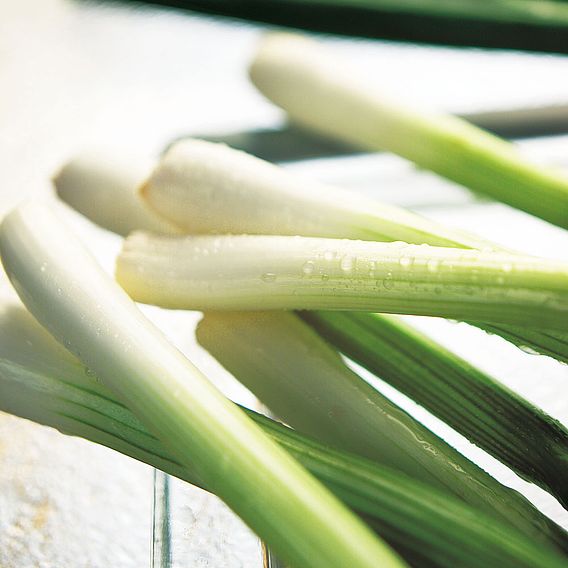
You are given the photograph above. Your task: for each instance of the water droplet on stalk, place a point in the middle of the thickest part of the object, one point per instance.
(432, 265)
(346, 264)
(372, 267)
(308, 267)
(528, 350)
(268, 277)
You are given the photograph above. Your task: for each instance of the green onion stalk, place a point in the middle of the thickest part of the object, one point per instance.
(252, 272)
(536, 25)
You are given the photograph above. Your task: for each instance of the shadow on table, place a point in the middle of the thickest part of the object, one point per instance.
(291, 143)
(286, 144)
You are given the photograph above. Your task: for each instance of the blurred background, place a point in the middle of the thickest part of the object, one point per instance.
(127, 78)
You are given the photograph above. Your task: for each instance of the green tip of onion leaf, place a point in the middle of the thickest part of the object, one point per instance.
(87, 312)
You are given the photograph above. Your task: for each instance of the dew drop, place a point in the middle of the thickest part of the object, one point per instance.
(406, 261)
(308, 267)
(268, 277)
(325, 277)
(432, 265)
(388, 284)
(528, 350)
(328, 255)
(507, 267)
(346, 264)
(457, 467)
(428, 447)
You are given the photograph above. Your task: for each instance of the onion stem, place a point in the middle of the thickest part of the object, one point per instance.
(249, 272)
(196, 176)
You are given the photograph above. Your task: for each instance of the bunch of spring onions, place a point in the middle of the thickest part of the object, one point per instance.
(247, 243)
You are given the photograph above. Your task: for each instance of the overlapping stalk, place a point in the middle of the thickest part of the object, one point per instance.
(249, 272)
(304, 381)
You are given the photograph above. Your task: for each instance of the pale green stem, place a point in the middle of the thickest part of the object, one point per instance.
(249, 272)
(491, 416)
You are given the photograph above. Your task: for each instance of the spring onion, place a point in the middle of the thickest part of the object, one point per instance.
(311, 85)
(304, 381)
(496, 419)
(81, 307)
(41, 381)
(247, 272)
